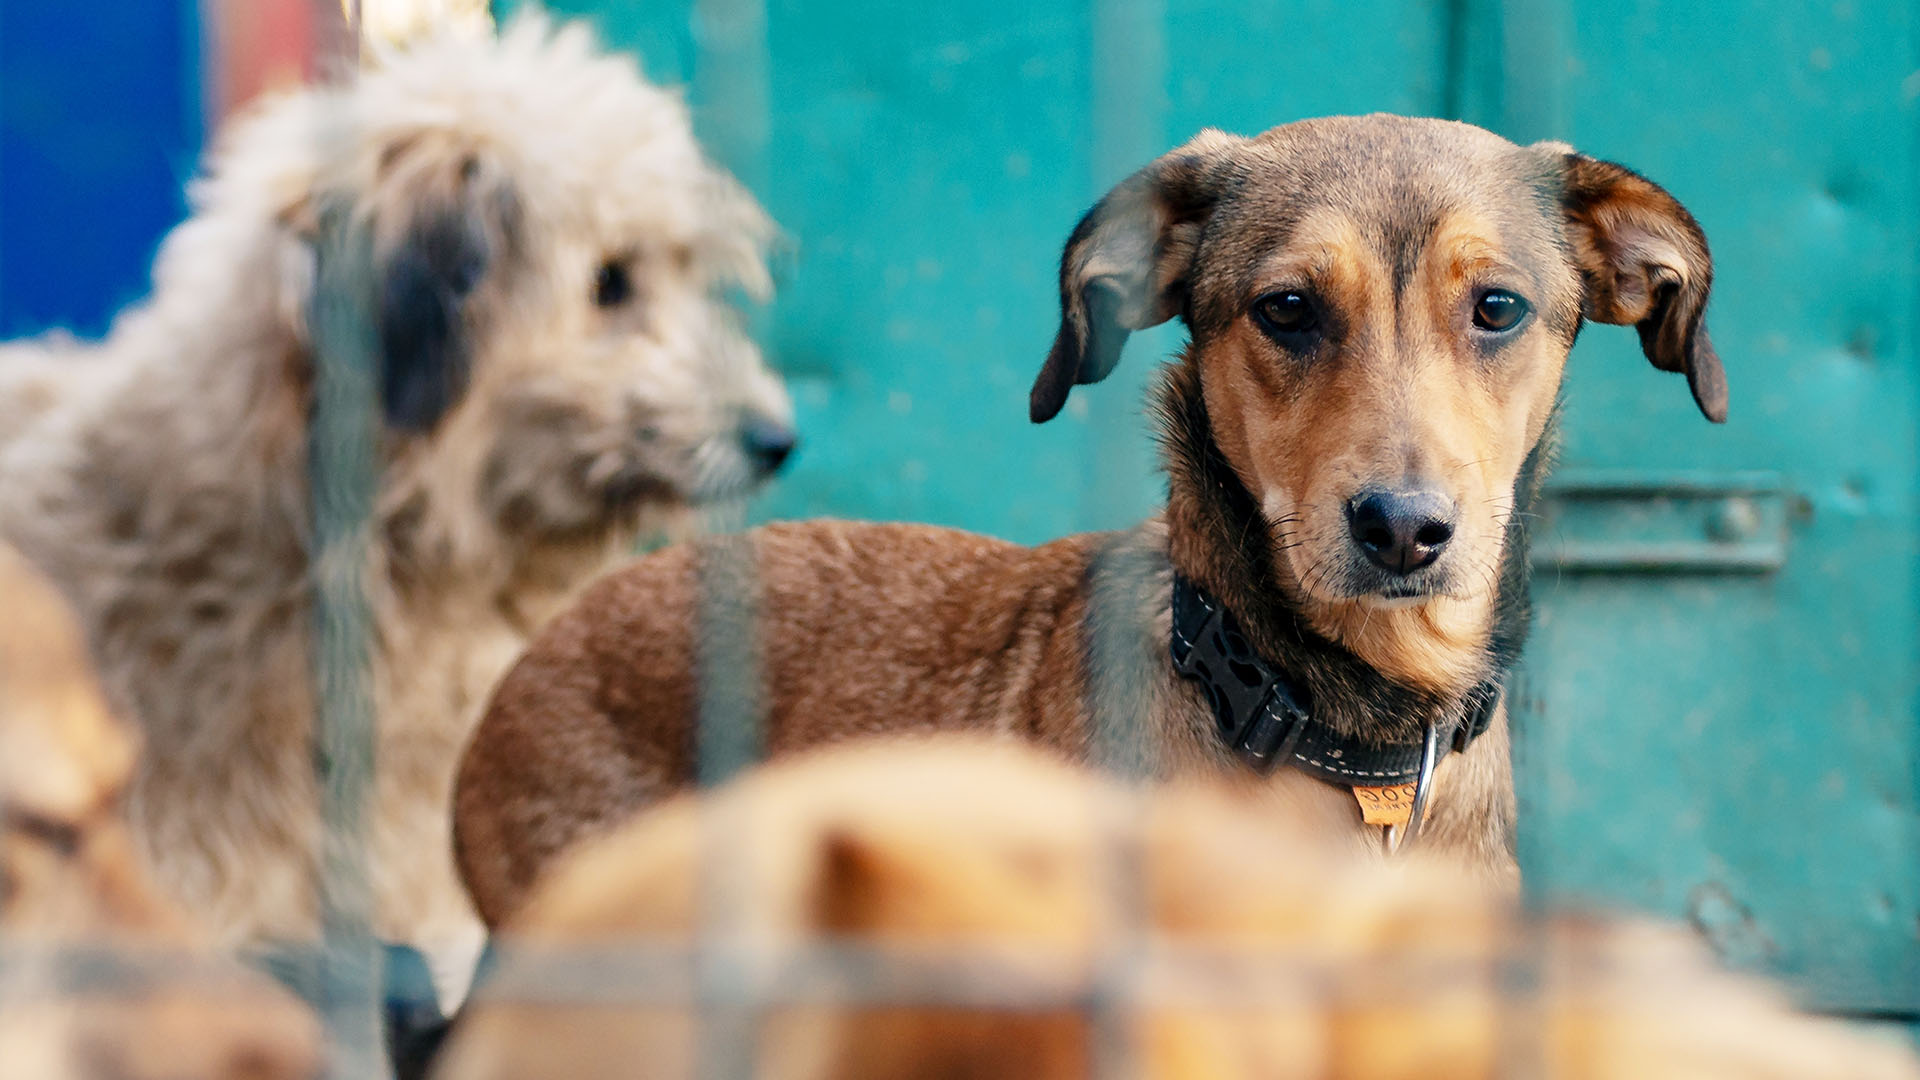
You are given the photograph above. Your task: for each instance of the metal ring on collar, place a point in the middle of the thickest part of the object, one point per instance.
(1401, 837)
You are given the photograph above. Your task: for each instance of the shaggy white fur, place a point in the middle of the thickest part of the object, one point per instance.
(559, 373)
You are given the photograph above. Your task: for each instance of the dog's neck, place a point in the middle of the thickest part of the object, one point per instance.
(1219, 539)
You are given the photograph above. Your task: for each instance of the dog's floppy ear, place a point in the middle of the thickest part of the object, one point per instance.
(732, 235)
(1645, 262)
(451, 236)
(1125, 266)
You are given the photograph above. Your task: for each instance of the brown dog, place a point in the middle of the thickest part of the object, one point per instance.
(1261, 952)
(69, 877)
(1380, 310)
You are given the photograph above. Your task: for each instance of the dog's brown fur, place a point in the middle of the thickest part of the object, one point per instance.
(1396, 228)
(1262, 952)
(69, 877)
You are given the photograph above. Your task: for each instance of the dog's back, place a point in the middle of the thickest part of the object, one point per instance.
(984, 872)
(862, 628)
(69, 878)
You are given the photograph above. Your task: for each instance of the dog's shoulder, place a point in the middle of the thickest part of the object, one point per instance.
(797, 569)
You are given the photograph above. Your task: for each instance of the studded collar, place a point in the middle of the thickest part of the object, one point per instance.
(1267, 721)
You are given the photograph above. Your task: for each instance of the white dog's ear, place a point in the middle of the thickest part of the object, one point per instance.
(734, 234)
(453, 231)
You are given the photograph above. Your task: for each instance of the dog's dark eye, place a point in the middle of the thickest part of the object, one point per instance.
(613, 286)
(62, 836)
(1499, 311)
(1288, 313)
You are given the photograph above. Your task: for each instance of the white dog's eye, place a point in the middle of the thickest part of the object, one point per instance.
(613, 286)
(63, 837)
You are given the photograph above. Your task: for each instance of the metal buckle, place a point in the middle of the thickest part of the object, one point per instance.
(1265, 738)
(1239, 686)
(1400, 838)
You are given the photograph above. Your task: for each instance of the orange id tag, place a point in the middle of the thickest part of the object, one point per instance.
(1391, 805)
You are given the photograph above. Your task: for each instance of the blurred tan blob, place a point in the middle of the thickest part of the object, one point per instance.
(146, 1004)
(999, 875)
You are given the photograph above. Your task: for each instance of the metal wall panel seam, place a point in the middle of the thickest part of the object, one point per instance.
(1129, 107)
(1534, 51)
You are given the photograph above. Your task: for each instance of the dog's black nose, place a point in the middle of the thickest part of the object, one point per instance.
(1401, 532)
(768, 443)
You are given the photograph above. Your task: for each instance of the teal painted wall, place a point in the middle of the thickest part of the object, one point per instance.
(1718, 719)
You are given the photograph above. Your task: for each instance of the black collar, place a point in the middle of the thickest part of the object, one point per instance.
(1266, 720)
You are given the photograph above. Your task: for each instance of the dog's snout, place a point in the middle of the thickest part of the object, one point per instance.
(1400, 532)
(768, 443)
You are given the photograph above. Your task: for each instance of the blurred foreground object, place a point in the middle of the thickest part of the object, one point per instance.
(959, 908)
(99, 978)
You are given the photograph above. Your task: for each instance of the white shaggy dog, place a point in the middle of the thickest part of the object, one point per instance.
(558, 372)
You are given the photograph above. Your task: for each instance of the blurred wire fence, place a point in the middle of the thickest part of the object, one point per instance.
(732, 981)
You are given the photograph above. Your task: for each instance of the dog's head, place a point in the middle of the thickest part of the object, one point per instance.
(1380, 311)
(552, 260)
(69, 877)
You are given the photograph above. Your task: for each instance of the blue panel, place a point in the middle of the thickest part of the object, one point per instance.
(100, 122)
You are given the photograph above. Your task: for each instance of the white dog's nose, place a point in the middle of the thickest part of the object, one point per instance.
(769, 443)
